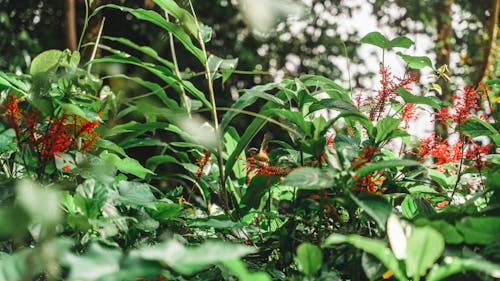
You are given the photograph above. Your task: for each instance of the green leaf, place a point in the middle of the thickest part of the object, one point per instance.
(225, 66)
(42, 205)
(425, 246)
(165, 211)
(308, 178)
(382, 165)
(334, 104)
(475, 127)
(189, 260)
(379, 40)
(186, 19)
(401, 42)
(385, 127)
(158, 20)
(126, 165)
(238, 268)
(8, 82)
(215, 223)
(309, 257)
(374, 247)
(135, 195)
(97, 262)
(411, 98)
(449, 232)
(480, 230)
(46, 61)
(413, 206)
(375, 206)
(375, 38)
(416, 62)
(256, 189)
(109, 145)
(454, 265)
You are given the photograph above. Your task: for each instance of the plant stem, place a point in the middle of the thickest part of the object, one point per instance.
(211, 92)
(85, 24)
(94, 51)
(177, 72)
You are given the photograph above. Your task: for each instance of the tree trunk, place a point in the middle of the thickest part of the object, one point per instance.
(70, 24)
(444, 49)
(492, 28)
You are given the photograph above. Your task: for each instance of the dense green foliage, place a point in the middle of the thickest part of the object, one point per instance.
(97, 185)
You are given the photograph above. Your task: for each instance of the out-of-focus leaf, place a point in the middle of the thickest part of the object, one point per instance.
(308, 178)
(480, 230)
(425, 246)
(126, 165)
(382, 165)
(309, 257)
(96, 263)
(375, 206)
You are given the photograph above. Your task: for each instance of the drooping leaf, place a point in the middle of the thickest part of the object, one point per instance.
(425, 245)
(158, 20)
(126, 165)
(454, 265)
(309, 257)
(379, 40)
(333, 104)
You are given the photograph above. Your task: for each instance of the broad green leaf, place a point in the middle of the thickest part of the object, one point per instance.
(189, 260)
(46, 61)
(333, 104)
(374, 247)
(135, 195)
(401, 42)
(375, 206)
(379, 40)
(375, 38)
(382, 165)
(385, 127)
(308, 178)
(475, 127)
(165, 211)
(69, 108)
(158, 20)
(6, 139)
(479, 230)
(309, 257)
(413, 206)
(126, 165)
(425, 245)
(454, 265)
(41, 204)
(411, 98)
(97, 262)
(8, 82)
(416, 62)
(449, 232)
(109, 145)
(354, 116)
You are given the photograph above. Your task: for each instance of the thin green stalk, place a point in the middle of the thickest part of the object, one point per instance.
(211, 92)
(85, 24)
(94, 51)
(177, 72)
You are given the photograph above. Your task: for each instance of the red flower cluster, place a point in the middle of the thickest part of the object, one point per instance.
(48, 138)
(390, 84)
(445, 153)
(202, 163)
(463, 106)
